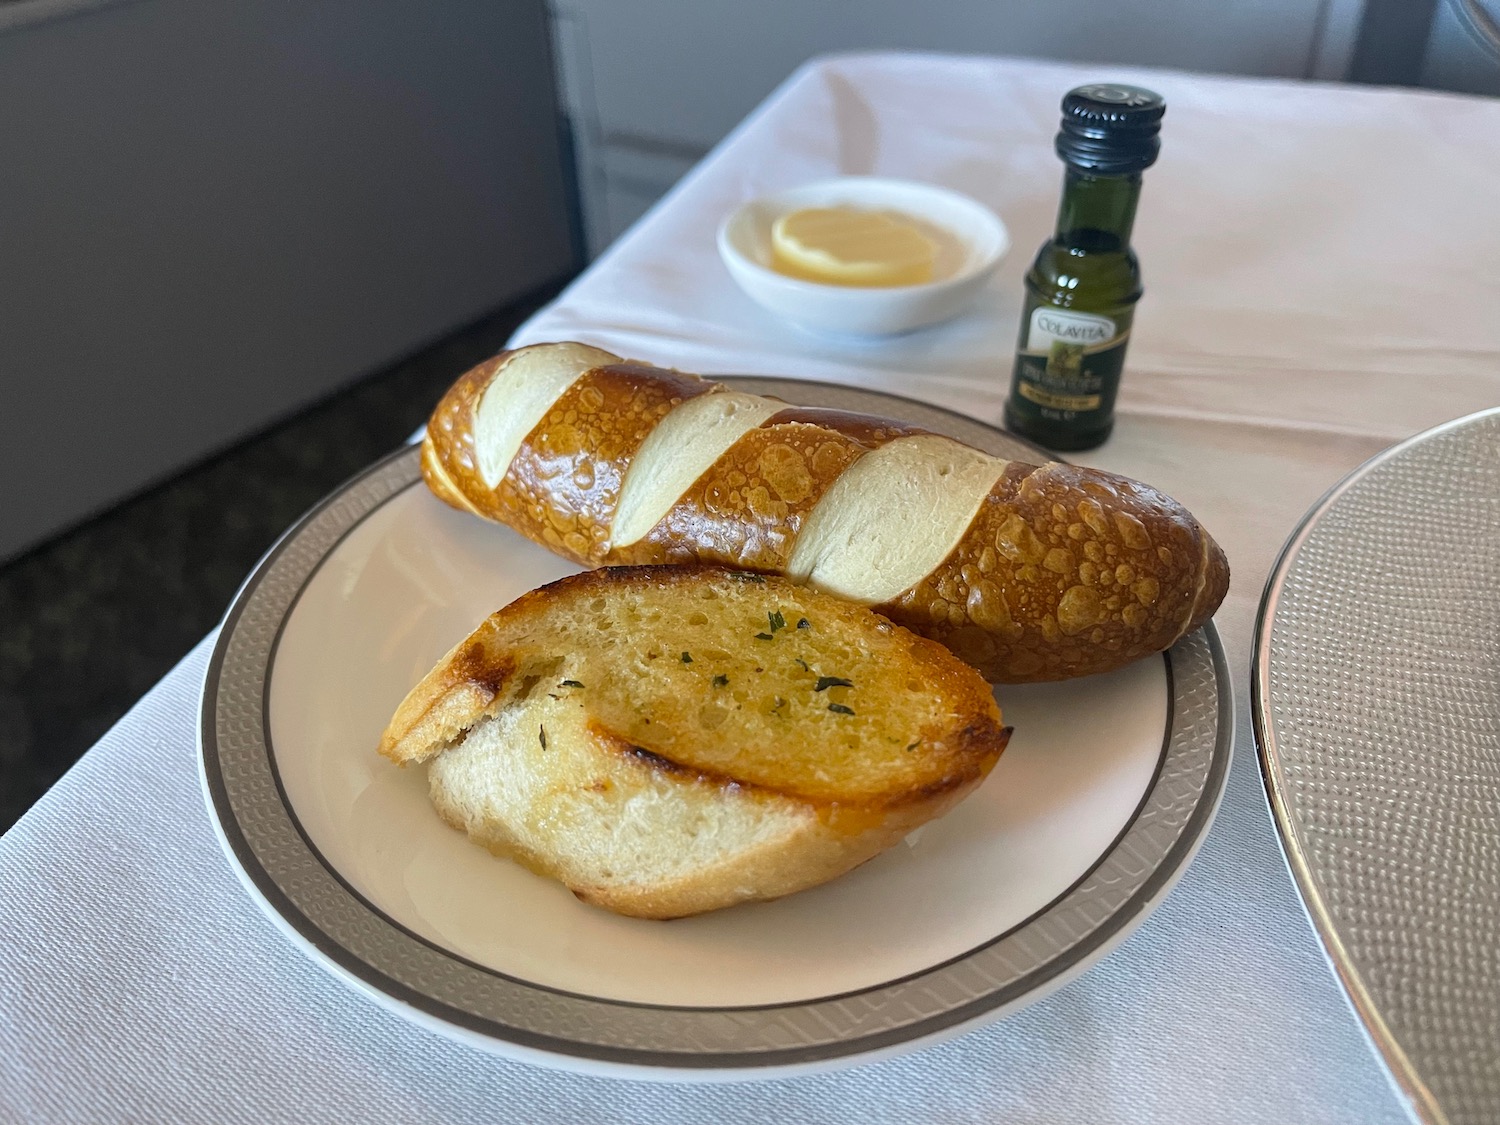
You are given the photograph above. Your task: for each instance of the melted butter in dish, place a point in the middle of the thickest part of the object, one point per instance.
(843, 246)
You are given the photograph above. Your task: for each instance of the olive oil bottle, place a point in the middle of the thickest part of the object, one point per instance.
(1082, 289)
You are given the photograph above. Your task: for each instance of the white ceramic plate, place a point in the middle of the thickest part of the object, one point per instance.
(1100, 800)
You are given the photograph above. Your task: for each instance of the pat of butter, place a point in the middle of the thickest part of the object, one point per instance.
(841, 246)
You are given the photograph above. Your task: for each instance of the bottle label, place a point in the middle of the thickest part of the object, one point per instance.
(1070, 329)
(1071, 363)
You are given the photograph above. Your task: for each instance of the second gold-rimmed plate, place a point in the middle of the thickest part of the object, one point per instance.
(1376, 704)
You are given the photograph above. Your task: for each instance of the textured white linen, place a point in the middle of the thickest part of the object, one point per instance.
(1320, 281)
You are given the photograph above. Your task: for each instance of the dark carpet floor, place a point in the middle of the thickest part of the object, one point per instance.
(90, 620)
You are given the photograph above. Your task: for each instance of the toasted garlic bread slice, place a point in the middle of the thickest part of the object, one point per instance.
(670, 740)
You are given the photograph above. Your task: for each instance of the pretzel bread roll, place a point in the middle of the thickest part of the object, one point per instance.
(1027, 572)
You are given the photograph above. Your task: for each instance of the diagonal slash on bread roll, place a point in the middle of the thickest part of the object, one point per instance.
(669, 740)
(1027, 572)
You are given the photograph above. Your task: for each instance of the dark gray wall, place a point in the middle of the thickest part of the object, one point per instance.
(214, 212)
(1463, 49)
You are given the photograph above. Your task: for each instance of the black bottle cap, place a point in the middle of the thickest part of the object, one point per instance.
(1110, 129)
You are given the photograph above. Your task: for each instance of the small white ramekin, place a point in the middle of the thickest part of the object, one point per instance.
(980, 241)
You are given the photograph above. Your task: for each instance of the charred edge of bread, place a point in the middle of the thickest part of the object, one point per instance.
(439, 712)
(977, 754)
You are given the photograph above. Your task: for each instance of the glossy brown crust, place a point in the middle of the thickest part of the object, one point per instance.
(1065, 571)
(748, 507)
(562, 487)
(869, 430)
(1068, 570)
(450, 465)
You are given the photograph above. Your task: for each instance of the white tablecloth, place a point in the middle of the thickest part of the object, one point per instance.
(1321, 268)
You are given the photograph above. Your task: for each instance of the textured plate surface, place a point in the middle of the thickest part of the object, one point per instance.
(1377, 714)
(1091, 814)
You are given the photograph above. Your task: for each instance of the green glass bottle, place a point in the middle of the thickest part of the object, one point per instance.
(1082, 289)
